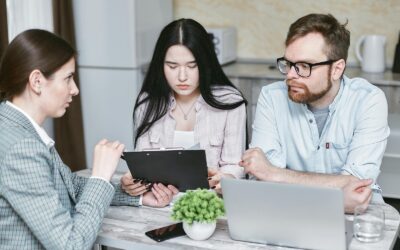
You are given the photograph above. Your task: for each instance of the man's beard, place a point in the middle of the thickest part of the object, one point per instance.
(307, 96)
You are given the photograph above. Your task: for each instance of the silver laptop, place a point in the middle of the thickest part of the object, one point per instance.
(285, 214)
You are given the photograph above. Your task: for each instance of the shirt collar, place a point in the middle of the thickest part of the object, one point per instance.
(333, 105)
(197, 107)
(41, 132)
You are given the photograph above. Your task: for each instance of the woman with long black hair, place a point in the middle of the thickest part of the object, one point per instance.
(186, 99)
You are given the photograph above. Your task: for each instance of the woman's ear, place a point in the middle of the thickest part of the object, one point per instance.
(35, 81)
(338, 69)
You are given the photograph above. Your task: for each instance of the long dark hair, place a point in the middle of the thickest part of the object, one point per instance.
(30, 50)
(155, 91)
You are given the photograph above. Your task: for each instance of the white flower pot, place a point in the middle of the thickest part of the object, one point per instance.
(199, 230)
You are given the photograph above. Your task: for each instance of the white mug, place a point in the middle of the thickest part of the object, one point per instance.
(372, 56)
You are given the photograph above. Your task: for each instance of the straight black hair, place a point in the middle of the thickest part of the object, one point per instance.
(155, 91)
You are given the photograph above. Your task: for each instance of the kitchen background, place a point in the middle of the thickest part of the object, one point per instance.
(262, 24)
(111, 62)
(261, 31)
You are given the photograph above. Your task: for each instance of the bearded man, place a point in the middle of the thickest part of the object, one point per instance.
(319, 127)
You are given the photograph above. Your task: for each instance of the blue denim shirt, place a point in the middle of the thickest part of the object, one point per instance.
(352, 141)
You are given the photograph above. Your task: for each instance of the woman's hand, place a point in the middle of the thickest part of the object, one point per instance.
(214, 179)
(160, 195)
(106, 157)
(134, 187)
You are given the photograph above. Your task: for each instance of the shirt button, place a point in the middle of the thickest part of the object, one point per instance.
(311, 121)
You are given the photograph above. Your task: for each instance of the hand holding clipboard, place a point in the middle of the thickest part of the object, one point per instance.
(184, 169)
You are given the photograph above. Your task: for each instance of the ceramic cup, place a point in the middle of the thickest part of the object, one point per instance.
(199, 230)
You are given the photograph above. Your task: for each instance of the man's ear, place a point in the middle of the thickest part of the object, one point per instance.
(35, 81)
(338, 68)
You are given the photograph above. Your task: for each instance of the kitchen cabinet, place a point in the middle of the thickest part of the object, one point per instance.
(251, 88)
(258, 75)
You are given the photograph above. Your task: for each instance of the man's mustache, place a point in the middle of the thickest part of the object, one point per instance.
(292, 83)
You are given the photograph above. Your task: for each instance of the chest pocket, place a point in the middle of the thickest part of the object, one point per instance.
(215, 141)
(213, 153)
(154, 138)
(338, 153)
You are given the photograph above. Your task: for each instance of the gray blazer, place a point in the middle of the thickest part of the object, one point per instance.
(42, 204)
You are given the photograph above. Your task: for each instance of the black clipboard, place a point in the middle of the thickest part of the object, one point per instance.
(185, 169)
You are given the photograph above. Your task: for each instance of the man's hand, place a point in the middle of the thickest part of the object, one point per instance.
(254, 162)
(214, 179)
(357, 192)
(160, 195)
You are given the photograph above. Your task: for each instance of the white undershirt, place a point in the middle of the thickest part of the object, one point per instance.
(184, 139)
(41, 132)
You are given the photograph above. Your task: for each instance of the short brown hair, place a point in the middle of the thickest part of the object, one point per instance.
(336, 36)
(30, 50)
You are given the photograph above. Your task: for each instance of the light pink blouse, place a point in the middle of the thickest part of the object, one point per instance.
(221, 133)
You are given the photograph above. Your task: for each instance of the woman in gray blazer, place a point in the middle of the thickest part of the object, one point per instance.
(42, 204)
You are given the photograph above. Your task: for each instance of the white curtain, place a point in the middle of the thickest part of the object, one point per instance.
(23, 15)
(30, 14)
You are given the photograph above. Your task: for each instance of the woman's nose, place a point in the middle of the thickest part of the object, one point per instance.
(182, 75)
(74, 89)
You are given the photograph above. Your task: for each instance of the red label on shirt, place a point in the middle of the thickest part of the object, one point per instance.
(327, 145)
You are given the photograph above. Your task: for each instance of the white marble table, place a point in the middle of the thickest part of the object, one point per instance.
(124, 227)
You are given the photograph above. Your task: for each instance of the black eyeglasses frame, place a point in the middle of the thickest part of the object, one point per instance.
(296, 68)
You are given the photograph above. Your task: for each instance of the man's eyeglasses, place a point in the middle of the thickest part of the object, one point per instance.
(303, 69)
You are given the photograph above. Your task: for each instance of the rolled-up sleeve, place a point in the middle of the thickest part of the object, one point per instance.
(369, 140)
(234, 142)
(265, 133)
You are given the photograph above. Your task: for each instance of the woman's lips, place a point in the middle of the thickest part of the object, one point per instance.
(183, 87)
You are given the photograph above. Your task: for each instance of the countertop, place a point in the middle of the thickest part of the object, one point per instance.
(270, 72)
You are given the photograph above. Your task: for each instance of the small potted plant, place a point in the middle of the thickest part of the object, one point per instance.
(198, 210)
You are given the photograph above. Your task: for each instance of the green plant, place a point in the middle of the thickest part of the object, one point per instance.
(198, 205)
